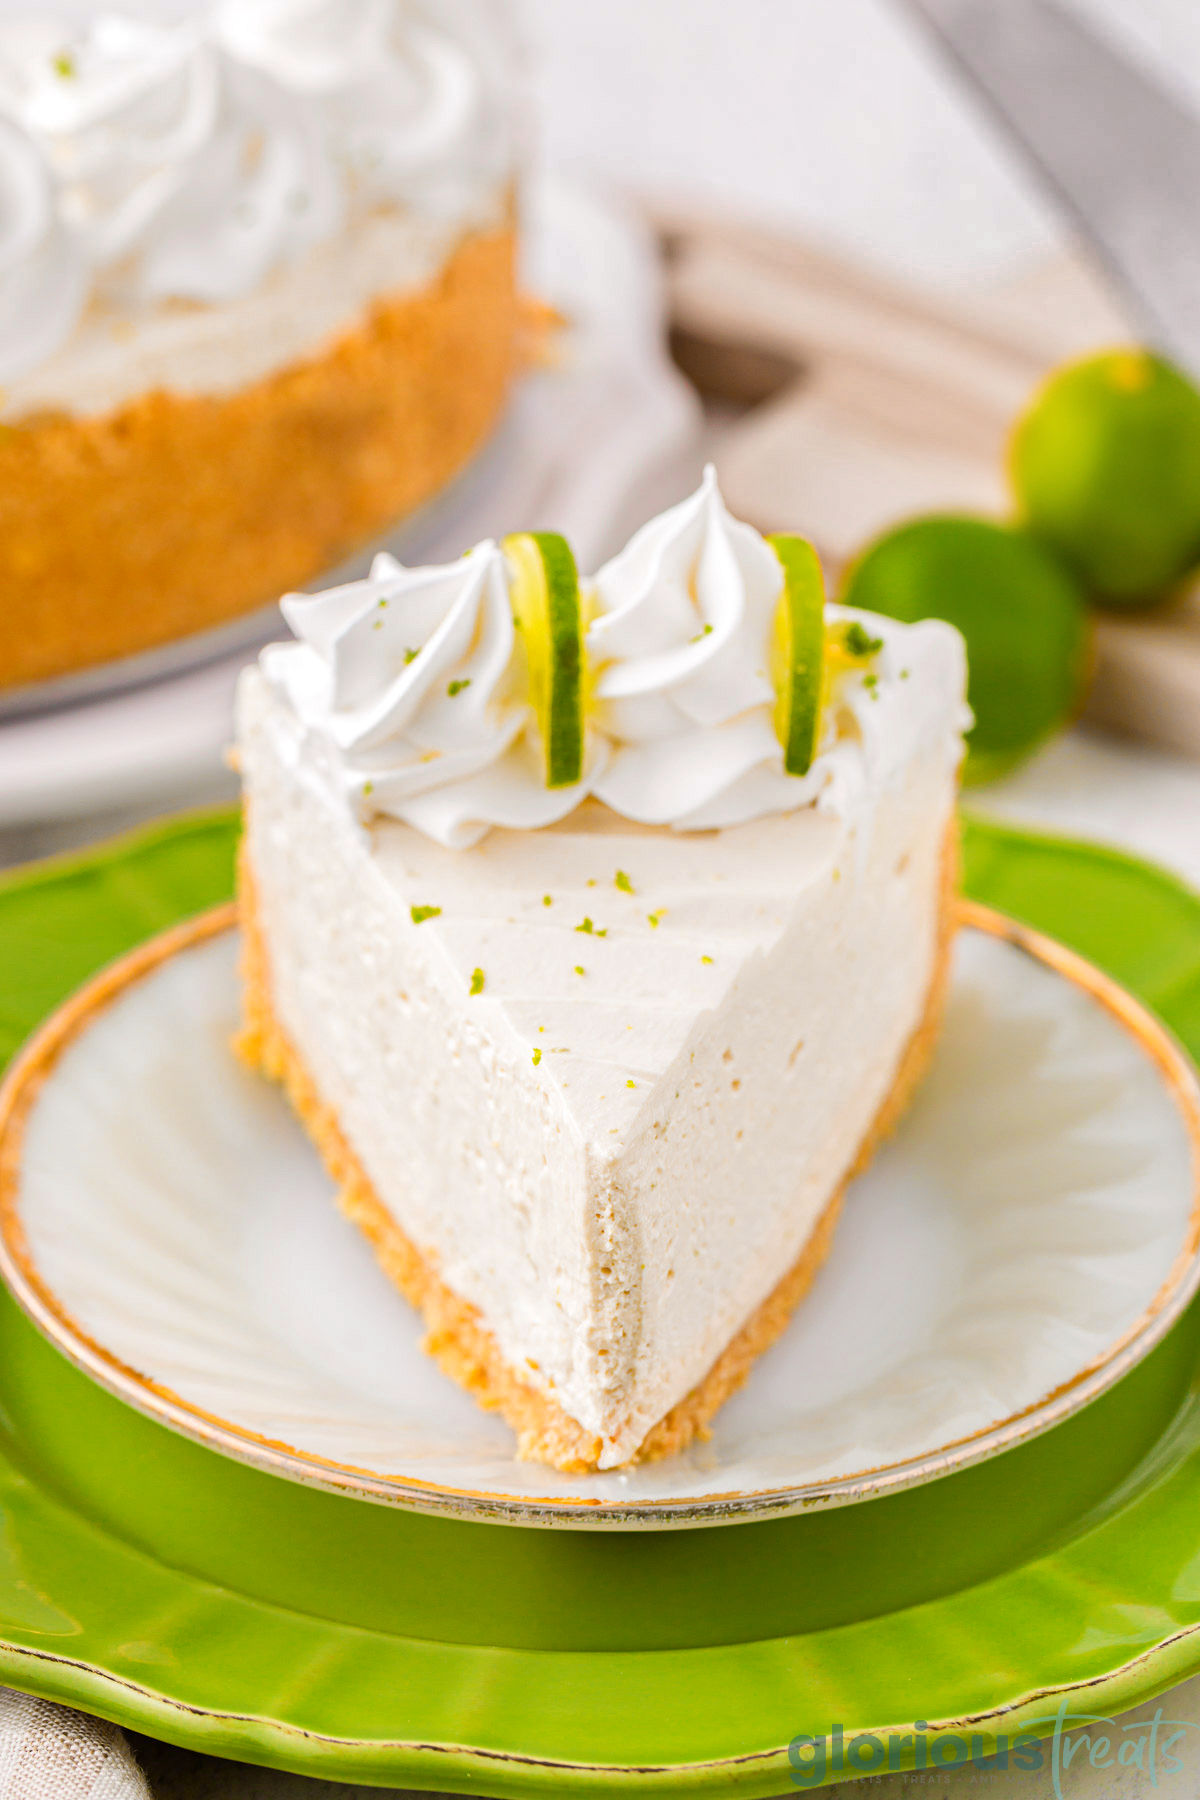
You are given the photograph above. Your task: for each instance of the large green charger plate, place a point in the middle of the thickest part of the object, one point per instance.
(152, 1581)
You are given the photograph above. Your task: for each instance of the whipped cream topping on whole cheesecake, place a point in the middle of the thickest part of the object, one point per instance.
(412, 691)
(146, 164)
(43, 275)
(407, 103)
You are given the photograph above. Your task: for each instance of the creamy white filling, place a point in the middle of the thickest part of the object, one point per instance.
(117, 354)
(619, 1207)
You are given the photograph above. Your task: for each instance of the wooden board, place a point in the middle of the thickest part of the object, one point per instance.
(842, 401)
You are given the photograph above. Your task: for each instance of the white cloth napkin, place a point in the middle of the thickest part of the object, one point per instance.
(48, 1752)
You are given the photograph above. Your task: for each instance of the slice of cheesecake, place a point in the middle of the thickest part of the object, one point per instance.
(593, 1083)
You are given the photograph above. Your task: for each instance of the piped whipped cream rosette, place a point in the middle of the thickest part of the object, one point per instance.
(680, 642)
(415, 689)
(687, 693)
(424, 692)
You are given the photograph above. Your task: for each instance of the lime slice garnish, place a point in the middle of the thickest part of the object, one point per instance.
(548, 613)
(798, 652)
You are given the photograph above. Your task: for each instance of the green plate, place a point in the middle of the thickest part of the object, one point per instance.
(150, 1580)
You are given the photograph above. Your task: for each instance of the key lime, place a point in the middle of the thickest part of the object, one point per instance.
(1105, 466)
(798, 652)
(1021, 612)
(548, 612)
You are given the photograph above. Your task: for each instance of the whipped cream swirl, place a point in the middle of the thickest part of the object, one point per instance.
(313, 46)
(262, 193)
(404, 103)
(120, 108)
(180, 175)
(43, 271)
(412, 686)
(681, 642)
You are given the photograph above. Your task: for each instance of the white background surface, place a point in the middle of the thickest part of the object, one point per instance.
(830, 115)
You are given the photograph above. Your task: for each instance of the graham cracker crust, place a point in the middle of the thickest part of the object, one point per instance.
(456, 1338)
(179, 512)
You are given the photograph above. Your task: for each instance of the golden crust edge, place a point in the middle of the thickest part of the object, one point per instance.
(301, 466)
(456, 1337)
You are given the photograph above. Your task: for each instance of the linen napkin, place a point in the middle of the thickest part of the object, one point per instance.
(49, 1752)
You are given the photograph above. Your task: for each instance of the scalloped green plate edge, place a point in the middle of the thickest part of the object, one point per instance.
(1110, 1610)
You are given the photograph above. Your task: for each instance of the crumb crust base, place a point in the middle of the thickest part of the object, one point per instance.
(177, 513)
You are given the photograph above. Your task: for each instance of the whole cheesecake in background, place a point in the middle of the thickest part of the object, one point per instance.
(598, 933)
(257, 303)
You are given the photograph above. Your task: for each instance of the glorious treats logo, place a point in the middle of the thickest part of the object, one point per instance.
(1051, 1744)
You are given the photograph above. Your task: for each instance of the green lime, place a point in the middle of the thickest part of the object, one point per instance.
(798, 652)
(548, 612)
(1105, 466)
(1021, 612)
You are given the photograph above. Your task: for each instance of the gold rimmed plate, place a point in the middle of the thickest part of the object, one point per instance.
(1032, 1231)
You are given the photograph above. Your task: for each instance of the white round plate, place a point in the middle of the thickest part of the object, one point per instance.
(1027, 1235)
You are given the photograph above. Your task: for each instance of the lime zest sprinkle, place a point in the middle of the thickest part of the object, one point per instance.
(904, 674)
(859, 642)
(456, 687)
(701, 634)
(368, 789)
(537, 1055)
(410, 656)
(547, 900)
(631, 1084)
(64, 64)
(579, 969)
(477, 980)
(706, 959)
(419, 914)
(656, 918)
(592, 930)
(622, 881)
